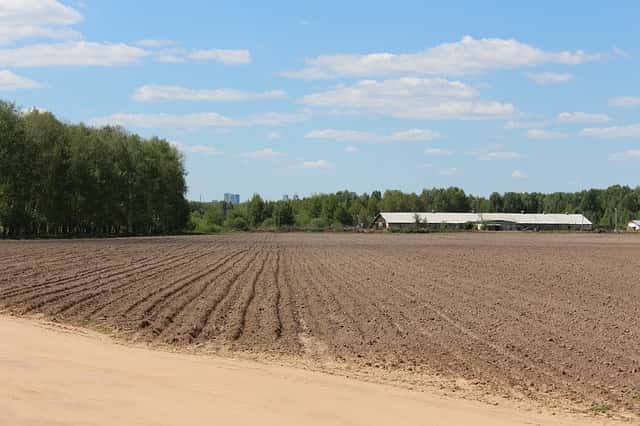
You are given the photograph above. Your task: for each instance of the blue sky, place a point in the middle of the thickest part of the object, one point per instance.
(287, 97)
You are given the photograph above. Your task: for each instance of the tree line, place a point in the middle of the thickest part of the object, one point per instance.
(604, 207)
(59, 178)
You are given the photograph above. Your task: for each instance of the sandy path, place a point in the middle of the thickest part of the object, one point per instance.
(52, 375)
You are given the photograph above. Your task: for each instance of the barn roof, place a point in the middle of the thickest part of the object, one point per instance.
(461, 218)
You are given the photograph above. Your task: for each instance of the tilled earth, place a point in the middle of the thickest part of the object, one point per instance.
(555, 315)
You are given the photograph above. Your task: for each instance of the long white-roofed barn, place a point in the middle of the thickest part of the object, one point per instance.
(487, 221)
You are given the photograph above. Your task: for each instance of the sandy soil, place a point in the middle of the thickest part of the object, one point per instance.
(53, 375)
(553, 318)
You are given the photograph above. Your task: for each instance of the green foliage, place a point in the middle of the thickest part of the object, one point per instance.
(346, 209)
(601, 407)
(58, 178)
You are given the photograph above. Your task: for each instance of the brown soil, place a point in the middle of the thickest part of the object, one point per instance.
(546, 317)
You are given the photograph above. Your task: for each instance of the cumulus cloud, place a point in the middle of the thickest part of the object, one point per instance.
(411, 98)
(518, 174)
(467, 56)
(263, 154)
(540, 134)
(154, 93)
(631, 154)
(12, 81)
(225, 56)
(71, 53)
(351, 149)
(197, 149)
(195, 120)
(316, 164)
(274, 136)
(450, 171)
(496, 152)
(581, 118)
(616, 132)
(30, 19)
(625, 101)
(437, 152)
(545, 78)
(409, 135)
(526, 124)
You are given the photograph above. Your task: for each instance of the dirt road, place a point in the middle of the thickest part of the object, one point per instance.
(51, 375)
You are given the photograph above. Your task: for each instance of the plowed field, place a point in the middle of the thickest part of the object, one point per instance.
(545, 316)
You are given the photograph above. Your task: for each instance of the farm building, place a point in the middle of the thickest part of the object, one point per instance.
(634, 225)
(487, 221)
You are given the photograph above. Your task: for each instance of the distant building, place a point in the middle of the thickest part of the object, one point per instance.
(295, 197)
(285, 197)
(232, 198)
(488, 221)
(634, 225)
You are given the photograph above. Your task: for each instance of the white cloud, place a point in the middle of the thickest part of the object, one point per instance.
(631, 154)
(545, 78)
(263, 154)
(581, 117)
(518, 174)
(225, 56)
(615, 132)
(204, 149)
(151, 93)
(317, 164)
(197, 149)
(451, 171)
(163, 120)
(496, 152)
(351, 149)
(11, 81)
(526, 124)
(621, 53)
(195, 120)
(412, 98)
(540, 134)
(467, 56)
(71, 53)
(274, 136)
(26, 19)
(410, 135)
(437, 152)
(625, 101)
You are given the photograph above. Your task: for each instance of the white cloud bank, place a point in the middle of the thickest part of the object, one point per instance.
(197, 149)
(195, 120)
(625, 101)
(409, 135)
(492, 153)
(616, 132)
(631, 154)
(263, 154)
(546, 78)
(437, 152)
(545, 134)
(12, 81)
(29, 19)
(316, 164)
(467, 56)
(82, 53)
(155, 93)
(518, 174)
(410, 98)
(581, 118)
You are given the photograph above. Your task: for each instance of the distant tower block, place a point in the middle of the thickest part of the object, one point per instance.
(232, 198)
